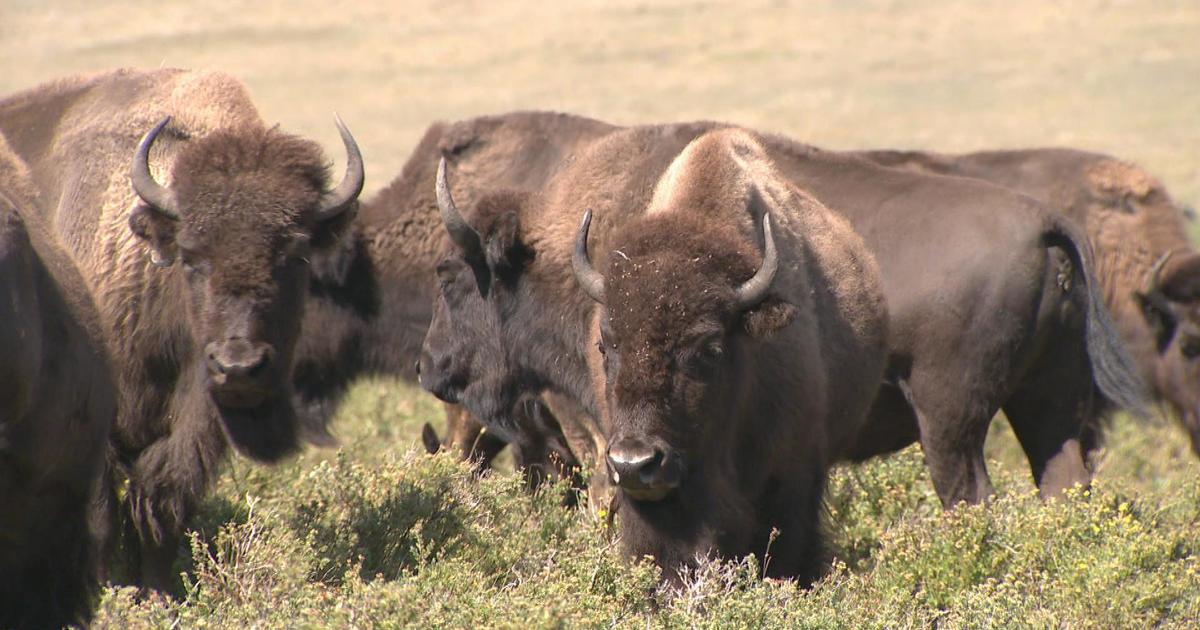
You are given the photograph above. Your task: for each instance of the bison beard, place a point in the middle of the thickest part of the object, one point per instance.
(694, 524)
(266, 433)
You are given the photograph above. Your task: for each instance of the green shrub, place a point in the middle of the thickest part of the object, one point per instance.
(380, 535)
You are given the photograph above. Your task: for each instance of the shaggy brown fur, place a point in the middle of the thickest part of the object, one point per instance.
(753, 405)
(248, 198)
(57, 402)
(1132, 222)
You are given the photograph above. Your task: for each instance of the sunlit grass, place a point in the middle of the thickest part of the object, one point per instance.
(378, 534)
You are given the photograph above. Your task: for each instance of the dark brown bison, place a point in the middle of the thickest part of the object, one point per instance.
(733, 380)
(370, 301)
(200, 273)
(990, 294)
(57, 403)
(1144, 260)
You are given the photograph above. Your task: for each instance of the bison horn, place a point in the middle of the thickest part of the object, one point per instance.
(339, 199)
(1155, 279)
(589, 279)
(150, 191)
(755, 289)
(460, 231)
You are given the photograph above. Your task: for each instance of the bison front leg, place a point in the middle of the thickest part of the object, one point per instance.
(165, 484)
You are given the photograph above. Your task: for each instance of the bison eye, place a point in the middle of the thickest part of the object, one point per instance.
(709, 348)
(704, 357)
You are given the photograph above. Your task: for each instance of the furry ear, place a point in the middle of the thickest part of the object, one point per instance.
(769, 317)
(1157, 311)
(331, 265)
(157, 230)
(331, 232)
(504, 248)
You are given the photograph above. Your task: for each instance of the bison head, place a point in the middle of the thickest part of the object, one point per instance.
(245, 214)
(1170, 302)
(684, 304)
(465, 358)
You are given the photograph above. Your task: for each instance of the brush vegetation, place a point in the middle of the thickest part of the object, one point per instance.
(377, 534)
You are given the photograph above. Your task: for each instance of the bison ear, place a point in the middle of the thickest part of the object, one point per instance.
(331, 265)
(769, 317)
(157, 230)
(1157, 311)
(334, 230)
(504, 248)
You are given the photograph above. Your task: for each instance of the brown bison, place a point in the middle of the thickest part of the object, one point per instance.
(57, 403)
(991, 301)
(733, 379)
(370, 301)
(1144, 260)
(200, 272)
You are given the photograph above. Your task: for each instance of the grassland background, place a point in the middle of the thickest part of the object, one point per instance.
(1118, 77)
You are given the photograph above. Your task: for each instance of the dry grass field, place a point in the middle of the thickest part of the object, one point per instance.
(377, 535)
(1116, 76)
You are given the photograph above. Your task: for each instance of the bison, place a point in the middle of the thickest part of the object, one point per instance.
(57, 403)
(195, 227)
(369, 302)
(1002, 313)
(1145, 261)
(733, 380)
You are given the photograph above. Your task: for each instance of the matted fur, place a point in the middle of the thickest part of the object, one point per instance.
(57, 402)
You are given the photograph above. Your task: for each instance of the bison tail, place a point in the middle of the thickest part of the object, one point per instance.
(1113, 370)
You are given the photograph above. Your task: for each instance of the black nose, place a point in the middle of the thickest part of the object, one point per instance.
(238, 358)
(643, 470)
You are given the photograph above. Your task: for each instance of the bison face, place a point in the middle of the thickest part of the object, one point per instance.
(659, 395)
(245, 215)
(1171, 307)
(464, 358)
(681, 312)
(1178, 373)
(1170, 304)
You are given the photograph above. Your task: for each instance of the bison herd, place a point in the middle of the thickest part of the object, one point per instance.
(694, 321)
